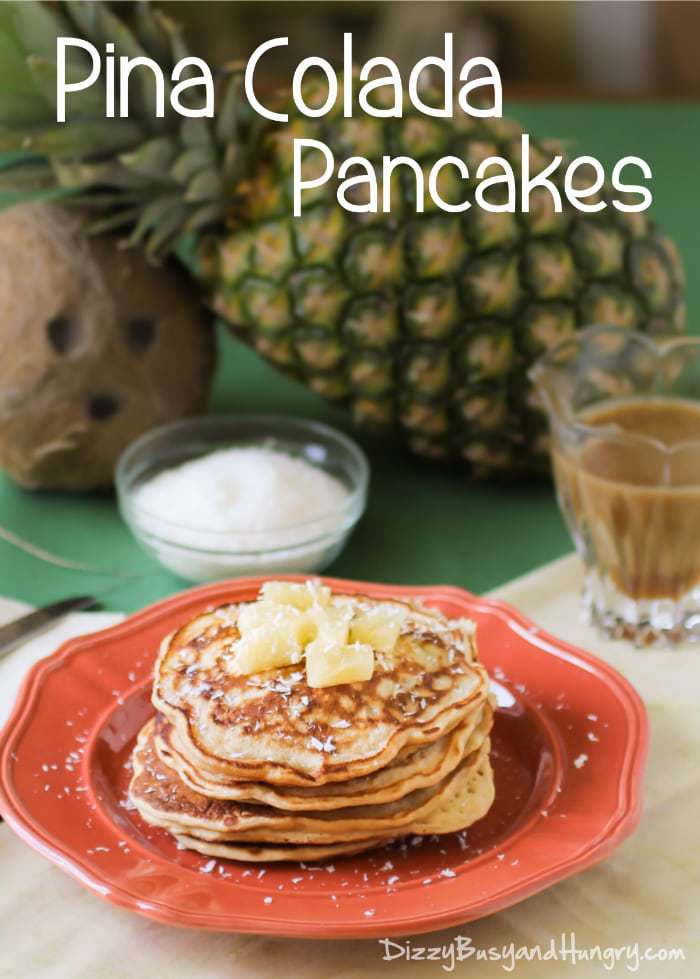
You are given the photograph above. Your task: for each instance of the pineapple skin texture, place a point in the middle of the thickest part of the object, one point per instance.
(426, 324)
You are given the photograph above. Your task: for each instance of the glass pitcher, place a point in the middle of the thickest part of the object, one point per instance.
(624, 418)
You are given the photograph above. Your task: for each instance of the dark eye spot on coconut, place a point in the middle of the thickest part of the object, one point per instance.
(140, 333)
(62, 332)
(103, 406)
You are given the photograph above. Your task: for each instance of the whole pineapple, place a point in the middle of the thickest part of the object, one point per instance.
(421, 323)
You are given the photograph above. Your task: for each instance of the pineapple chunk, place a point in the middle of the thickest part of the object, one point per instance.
(379, 627)
(328, 665)
(253, 616)
(265, 648)
(329, 625)
(290, 620)
(301, 597)
(271, 636)
(284, 619)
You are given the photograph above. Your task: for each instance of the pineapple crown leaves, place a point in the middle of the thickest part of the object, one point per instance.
(154, 179)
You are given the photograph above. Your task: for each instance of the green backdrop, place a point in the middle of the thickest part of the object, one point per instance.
(424, 524)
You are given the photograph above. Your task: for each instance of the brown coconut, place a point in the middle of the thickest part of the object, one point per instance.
(96, 346)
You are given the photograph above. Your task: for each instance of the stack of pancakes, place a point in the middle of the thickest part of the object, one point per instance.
(267, 767)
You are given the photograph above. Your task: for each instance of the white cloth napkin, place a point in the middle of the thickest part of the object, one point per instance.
(14, 665)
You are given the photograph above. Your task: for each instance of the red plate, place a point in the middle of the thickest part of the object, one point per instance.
(569, 746)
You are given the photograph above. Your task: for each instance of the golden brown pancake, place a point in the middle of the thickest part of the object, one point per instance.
(273, 727)
(414, 768)
(262, 766)
(163, 800)
(272, 852)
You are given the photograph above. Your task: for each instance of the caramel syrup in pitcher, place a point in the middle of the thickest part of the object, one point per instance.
(635, 495)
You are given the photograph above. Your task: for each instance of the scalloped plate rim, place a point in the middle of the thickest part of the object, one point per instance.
(620, 825)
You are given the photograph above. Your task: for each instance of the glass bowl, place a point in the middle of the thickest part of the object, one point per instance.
(199, 555)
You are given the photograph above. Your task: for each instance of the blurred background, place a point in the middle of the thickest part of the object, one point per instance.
(614, 78)
(563, 49)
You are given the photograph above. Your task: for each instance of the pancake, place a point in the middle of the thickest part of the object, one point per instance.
(465, 806)
(468, 800)
(274, 728)
(376, 727)
(272, 853)
(164, 801)
(414, 768)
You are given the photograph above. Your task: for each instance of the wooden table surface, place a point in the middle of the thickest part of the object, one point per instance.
(647, 893)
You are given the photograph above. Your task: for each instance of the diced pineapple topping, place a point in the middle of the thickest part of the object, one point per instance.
(327, 666)
(300, 596)
(283, 619)
(290, 621)
(265, 649)
(379, 627)
(330, 626)
(271, 636)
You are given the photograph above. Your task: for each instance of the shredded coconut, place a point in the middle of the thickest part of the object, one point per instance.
(328, 746)
(243, 499)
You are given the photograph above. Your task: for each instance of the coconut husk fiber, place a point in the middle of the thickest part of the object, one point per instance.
(96, 346)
